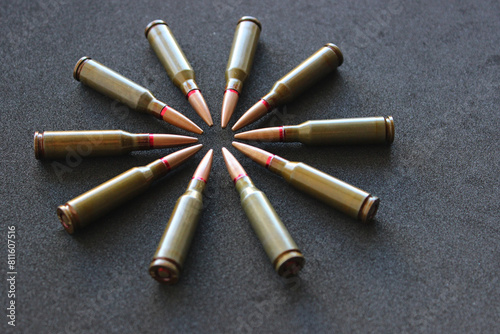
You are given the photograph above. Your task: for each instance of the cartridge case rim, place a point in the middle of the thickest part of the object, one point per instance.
(250, 19)
(79, 66)
(170, 265)
(289, 263)
(369, 209)
(389, 129)
(152, 24)
(38, 145)
(337, 51)
(68, 218)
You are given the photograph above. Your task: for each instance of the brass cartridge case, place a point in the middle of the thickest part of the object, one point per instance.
(239, 64)
(171, 56)
(174, 244)
(284, 254)
(178, 68)
(344, 197)
(116, 86)
(348, 131)
(110, 83)
(82, 210)
(310, 71)
(246, 38)
(58, 144)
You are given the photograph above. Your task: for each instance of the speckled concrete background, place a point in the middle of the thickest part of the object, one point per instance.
(430, 263)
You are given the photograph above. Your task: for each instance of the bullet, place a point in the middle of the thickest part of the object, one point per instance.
(174, 244)
(178, 68)
(239, 64)
(110, 83)
(61, 144)
(344, 197)
(348, 131)
(284, 254)
(82, 210)
(310, 71)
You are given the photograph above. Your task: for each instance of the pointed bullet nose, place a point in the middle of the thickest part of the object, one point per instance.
(200, 106)
(254, 113)
(256, 154)
(172, 116)
(228, 106)
(233, 166)
(203, 170)
(266, 134)
(177, 158)
(165, 140)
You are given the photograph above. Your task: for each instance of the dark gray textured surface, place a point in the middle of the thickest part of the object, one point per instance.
(430, 263)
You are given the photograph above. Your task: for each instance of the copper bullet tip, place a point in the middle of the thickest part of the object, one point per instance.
(166, 140)
(172, 116)
(175, 159)
(268, 134)
(228, 106)
(200, 106)
(256, 154)
(233, 166)
(254, 113)
(203, 170)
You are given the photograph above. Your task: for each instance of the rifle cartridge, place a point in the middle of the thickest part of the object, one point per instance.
(310, 71)
(348, 131)
(239, 64)
(179, 70)
(344, 197)
(284, 254)
(174, 244)
(60, 144)
(108, 82)
(84, 209)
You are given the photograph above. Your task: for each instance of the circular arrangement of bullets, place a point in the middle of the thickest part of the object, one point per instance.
(283, 252)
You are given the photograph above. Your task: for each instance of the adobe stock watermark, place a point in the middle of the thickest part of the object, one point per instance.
(11, 275)
(46, 13)
(75, 155)
(97, 307)
(274, 300)
(368, 34)
(224, 9)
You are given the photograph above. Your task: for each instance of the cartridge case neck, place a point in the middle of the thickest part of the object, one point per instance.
(141, 141)
(274, 99)
(129, 141)
(196, 185)
(158, 168)
(291, 133)
(244, 183)
(276, 164)
(235, 84)
(187, 86)
(155, 107)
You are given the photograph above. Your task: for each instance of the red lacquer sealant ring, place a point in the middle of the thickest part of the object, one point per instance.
(165, 162)
(191, 92)
(268, 106)
(199, 178)
(268, 162)
(163, 111)
(282, 133)
(239, 177)
(232, 90)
